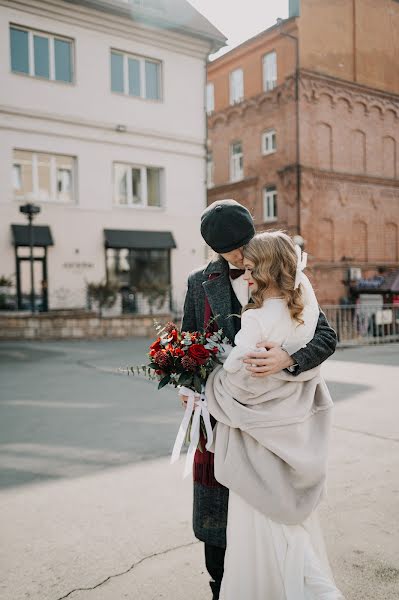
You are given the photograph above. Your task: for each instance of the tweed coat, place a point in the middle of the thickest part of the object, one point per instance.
(213, 282)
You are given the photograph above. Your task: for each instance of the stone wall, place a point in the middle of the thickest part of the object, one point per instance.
(75, 325)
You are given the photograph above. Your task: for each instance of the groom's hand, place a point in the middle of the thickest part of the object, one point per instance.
(272, 359)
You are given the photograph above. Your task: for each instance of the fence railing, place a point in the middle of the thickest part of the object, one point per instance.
(364, 324)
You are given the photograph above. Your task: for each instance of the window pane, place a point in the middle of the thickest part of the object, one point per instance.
(134, 77)
(19, 50)
(63, 60)
(65, 166)
(17, 177)
(41, 51)
(44, 176)
(116, 72)
(136, 186)
(153, 187)
(24, 162)
(152, 84)
(237, 148)
(120, 184)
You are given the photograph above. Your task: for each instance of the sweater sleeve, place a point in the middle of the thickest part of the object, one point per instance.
(245, 341)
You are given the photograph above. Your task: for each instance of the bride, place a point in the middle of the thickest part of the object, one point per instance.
(271, 439)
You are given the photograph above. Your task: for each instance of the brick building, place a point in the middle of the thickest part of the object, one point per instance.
(303, 128)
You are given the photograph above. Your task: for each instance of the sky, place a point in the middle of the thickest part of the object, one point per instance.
(240, 21)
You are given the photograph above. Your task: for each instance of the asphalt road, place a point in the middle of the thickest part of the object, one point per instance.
(66, 411)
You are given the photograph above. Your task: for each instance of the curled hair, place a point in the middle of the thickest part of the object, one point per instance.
(275, 262)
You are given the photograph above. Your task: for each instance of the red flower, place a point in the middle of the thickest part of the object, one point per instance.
(153, 353)
(169, 327)
(215, 350)
(162, 359)
(198, 353)
(173, 334)
(179, 352)
(156, 345)
(188, 363)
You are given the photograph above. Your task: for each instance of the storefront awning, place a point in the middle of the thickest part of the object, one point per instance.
(138, 240)
(41, 235)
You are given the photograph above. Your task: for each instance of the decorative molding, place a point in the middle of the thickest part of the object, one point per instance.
(313, 86)
(231, 186)
(272, 99)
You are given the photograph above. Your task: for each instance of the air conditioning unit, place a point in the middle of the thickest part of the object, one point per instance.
(354, 274)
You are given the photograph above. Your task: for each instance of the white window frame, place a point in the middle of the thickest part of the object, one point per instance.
(53, 195)
(269, 142)
(269, 78)
(31, 54)
(143, 87)
(236, 163)
(210, 167)
(270, 208)
(143, 183)
(236, 78)
(210, 98)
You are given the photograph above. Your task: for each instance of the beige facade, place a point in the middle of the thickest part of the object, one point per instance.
(95, 157)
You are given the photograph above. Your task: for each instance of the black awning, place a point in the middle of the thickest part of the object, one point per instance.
(41, 235)
(138, 240)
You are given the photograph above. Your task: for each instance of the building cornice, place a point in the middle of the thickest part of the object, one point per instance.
(77, 128)
(232, 186)
(313, 85)
(248, 46)
(114, 25)
(273, 98)
(342, 177)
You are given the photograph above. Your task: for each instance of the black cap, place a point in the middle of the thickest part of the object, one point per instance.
(226, 225)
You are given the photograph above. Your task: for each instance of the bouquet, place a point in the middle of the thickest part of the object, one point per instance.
(185, 359)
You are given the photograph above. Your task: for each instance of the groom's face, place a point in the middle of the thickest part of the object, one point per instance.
(235, 258)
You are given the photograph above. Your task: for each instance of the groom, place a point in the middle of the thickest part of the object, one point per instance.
(219, 290)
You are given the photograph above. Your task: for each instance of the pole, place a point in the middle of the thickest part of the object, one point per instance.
(298, 146)
(32, 279)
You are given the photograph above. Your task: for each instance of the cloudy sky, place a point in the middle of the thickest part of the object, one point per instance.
(240, 21)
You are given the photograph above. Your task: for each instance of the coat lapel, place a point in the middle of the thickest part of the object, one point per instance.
(218, 292)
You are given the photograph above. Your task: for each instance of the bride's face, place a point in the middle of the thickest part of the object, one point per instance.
(248, 266)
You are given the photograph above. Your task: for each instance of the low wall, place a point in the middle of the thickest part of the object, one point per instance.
(74, 325)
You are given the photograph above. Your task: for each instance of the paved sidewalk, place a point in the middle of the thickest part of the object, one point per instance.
(125, 533)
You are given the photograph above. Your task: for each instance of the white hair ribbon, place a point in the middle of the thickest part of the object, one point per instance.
(302, 261)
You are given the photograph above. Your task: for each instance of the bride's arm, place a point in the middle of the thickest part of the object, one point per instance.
(245, 341)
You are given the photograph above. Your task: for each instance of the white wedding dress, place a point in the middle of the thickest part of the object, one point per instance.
(266, 560)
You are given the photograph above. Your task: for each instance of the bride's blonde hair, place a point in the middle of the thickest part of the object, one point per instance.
(275, 262)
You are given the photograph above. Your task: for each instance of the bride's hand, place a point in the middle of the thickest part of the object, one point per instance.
(269, 361)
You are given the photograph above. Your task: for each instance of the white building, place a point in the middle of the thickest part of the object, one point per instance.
(102, 125)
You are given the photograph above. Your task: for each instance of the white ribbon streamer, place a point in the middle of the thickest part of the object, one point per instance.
(196, 404)
(302, 261)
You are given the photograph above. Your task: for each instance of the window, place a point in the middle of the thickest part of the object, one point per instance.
(137, 186)
(144, 278)
(270, 204)
(41, 55)
(269, 71)
(209, 170)
(236, 86)
(210, 98)
(236, 162)
(43, 177)
(135, 76)
(269, 142)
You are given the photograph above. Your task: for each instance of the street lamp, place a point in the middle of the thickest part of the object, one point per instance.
(31, 210)
(279, 23)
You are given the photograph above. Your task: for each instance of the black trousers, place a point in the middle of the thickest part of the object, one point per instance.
(214, 561)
